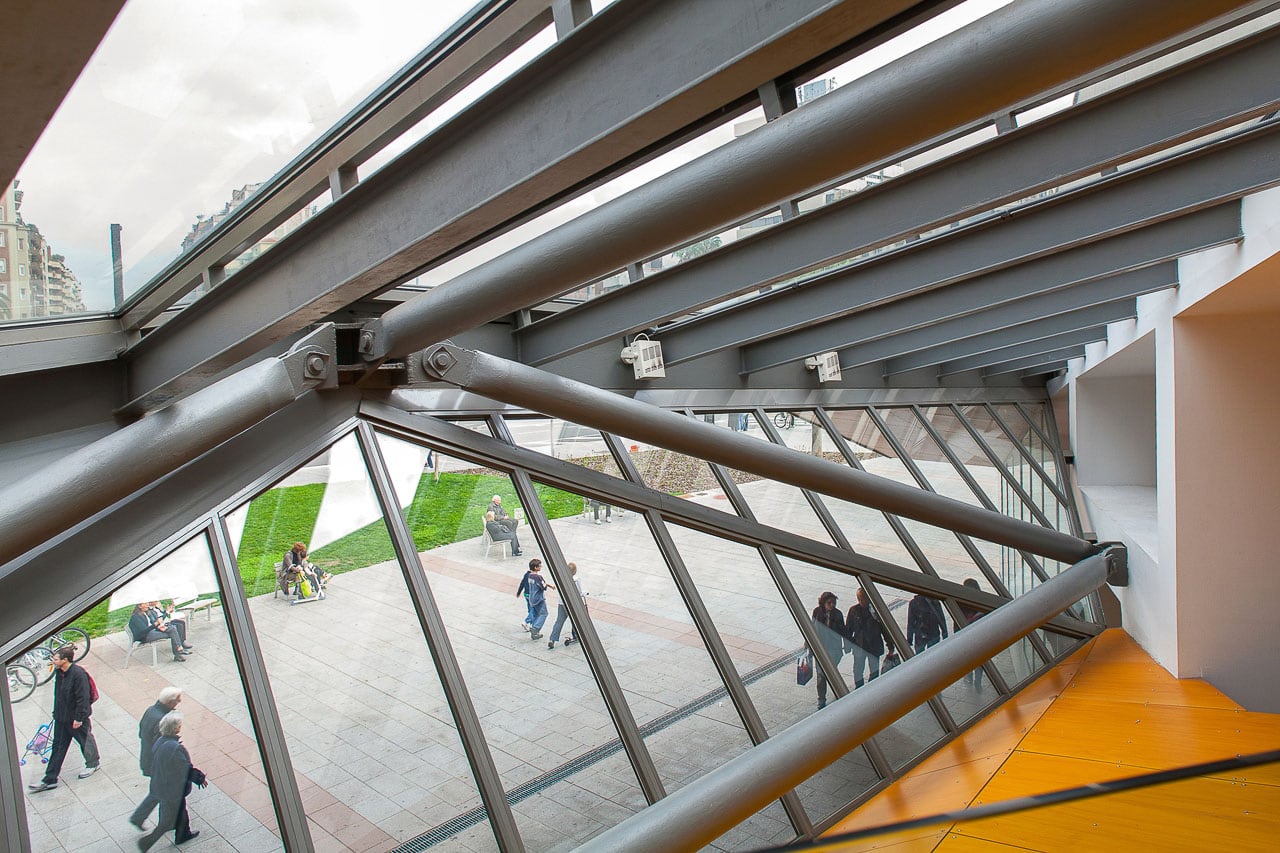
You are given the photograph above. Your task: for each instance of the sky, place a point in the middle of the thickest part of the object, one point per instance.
(187, 100)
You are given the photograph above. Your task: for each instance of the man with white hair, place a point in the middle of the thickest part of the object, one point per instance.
(148, 734)
(500, 514)
(171, 779)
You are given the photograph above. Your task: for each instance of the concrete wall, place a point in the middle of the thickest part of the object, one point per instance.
(1116, 420)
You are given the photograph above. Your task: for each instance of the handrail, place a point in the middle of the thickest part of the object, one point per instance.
(703, 810)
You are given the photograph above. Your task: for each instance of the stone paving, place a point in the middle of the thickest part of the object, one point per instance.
(370, 736)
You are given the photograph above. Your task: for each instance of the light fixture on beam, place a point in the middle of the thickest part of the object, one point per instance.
(827, 364)
(645, 357)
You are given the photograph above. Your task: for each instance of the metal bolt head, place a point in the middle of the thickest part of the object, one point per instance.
(366, 342)
(316, 365)
(438, 361)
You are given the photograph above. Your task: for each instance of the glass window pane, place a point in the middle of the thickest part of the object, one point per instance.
(776, 504)
(374, 747)
(762, 639)
(1026, 476)
(553, 742)
(676, 474)
(565, 440)
(235, 811)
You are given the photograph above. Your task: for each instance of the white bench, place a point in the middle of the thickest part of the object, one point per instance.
(190, 607)
(134, 645)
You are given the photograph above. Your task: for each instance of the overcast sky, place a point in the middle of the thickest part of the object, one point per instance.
(186, 100)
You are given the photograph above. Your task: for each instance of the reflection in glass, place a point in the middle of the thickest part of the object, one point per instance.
(565, 440)
(235, 811)
(676, 474)
(373, 744)
(552, 741)
(776, 504)
(761, 636)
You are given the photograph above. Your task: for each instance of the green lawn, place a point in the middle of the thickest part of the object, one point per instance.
(442, 512)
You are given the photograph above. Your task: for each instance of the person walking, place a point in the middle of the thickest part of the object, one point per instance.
(562, 612)
(829, 623)
(72, 708)
(866, 638)
(148, 734)
(926, 625)
(172, 776)
(535, 586)
(973, 679)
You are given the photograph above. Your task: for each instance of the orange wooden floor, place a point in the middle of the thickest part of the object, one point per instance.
(1108, 712)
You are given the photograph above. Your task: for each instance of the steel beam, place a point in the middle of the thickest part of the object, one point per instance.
(70, 489)
(470, 731)
(631, 80)
(264, 714)
(698, 813)
(575, 401)
(13, 801)
(467, 444)
(1208, 177)
(1017, 313)
(955, 355)
(1038, 347)
(904, 105)
(1039, 363)
(1183, 103)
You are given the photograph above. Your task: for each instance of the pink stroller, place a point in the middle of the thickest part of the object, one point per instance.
(41, 744)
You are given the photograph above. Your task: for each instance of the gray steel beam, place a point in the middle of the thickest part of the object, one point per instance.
(70, 489)
(540, 391)
(1183, 103)
(648, 73)
(1039, 362)
(1015, 313)
(97, 556)
(469, 47)
(1040, 347)
(1208, 177)
(264, 715)
(939, 91)
(467, 444)
(501, 820)
(13, 800)
(698, 813)
(955, 354)
(46, 346)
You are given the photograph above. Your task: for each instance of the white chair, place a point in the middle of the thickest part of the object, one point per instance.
(504, 545)
(136, 644)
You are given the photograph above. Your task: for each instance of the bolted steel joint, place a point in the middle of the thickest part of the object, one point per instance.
(436, 361)
(365, 347)
(1117, 557)
(316, 365)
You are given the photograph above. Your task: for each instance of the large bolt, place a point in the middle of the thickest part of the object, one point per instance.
(316, 365)
(437, 361)
(366, 342)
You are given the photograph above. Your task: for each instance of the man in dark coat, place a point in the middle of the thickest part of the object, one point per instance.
(926, 625)
(148, 734)
(867, 637)
(72, 708)
(171, 779)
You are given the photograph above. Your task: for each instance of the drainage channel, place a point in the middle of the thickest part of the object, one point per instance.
(523, 791)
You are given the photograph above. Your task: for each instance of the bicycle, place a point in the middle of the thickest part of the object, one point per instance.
(22, 682)
(784, 420)
(70, 636)
(40, 660)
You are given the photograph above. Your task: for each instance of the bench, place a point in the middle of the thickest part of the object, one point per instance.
(134, 645)
(190, 607)
(504, 545)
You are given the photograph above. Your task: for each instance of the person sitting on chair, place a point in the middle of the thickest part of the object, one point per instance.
(296, 564)
(143, 630)
(162, 617)
(500, 514)
(595, 510)
(499, 532)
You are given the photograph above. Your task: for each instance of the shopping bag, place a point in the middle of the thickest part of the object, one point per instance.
(890, 661)
(804, 669)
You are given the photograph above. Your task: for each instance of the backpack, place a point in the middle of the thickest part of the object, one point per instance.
(93, 689)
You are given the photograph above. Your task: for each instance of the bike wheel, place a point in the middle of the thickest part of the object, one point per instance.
(22, 681)
(40, 659)
(77, 637)
(784, 420)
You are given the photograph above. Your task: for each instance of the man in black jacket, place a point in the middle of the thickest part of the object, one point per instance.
(72, 708)
(148, 734)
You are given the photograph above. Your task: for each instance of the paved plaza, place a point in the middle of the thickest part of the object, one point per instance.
(373, 745)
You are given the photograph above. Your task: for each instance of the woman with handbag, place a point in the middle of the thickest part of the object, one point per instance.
(828, 621)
